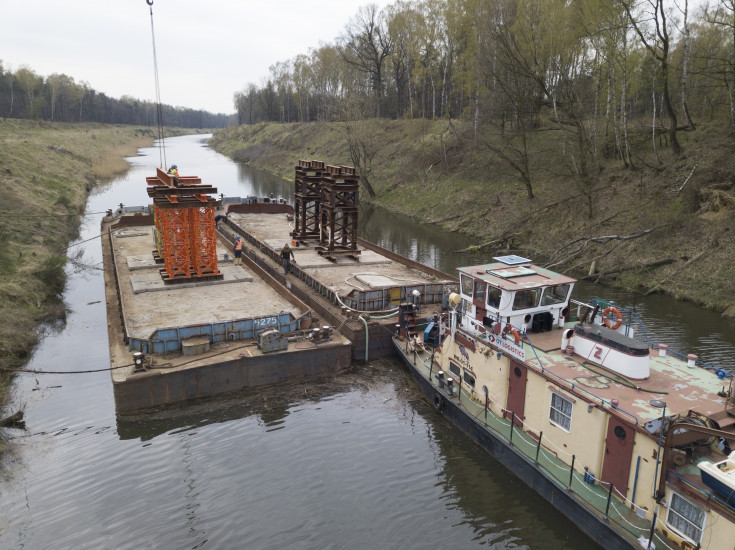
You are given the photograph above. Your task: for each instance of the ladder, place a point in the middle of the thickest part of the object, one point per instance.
(406, 315)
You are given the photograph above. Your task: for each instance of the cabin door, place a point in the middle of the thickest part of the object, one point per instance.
(517, 391)
(618, 454)
(478, 299)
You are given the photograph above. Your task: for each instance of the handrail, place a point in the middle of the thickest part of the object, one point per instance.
(632, 314)
(572, 384)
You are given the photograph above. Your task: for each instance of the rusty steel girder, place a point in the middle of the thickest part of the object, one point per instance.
(307, 196)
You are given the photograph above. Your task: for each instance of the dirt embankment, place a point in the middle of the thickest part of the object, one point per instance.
(664, 224)
(47, 171)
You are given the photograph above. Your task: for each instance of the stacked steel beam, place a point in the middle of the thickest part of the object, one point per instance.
(185, 227)
(307, 187)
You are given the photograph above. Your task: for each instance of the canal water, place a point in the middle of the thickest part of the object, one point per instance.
(355, 461)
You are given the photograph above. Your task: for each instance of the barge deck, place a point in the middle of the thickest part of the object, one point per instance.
(199, 339)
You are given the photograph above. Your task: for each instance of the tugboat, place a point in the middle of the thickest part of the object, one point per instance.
(628, 439)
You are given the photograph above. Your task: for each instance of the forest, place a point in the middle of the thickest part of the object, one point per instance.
(58, 98)
(592, 67)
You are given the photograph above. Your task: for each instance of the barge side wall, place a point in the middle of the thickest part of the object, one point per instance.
(151, 389)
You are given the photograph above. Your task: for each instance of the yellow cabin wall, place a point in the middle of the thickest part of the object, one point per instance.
(577, 442)
(718, 531)
(645, 447)
(489, 370)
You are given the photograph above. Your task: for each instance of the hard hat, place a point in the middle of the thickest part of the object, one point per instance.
(173, 166)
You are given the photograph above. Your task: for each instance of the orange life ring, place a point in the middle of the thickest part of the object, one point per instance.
(606, 320)
(513, 331)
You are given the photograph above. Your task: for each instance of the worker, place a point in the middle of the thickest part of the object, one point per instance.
(286, 257)
(174, 171)
(238, 249)
(219, 217)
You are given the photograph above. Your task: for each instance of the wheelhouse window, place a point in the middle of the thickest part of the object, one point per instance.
(455, 370)
(686, 518)
(469, 379)
(526, 299)
(479, 294)
(560, 412)
(466, 283)
(555, 295)
(493, 297)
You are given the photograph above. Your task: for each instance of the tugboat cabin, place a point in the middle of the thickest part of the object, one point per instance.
(514, 291)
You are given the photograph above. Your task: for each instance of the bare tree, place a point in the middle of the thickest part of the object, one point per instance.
(657, 42)
(365, 46)
(723, 15)
(685, 62)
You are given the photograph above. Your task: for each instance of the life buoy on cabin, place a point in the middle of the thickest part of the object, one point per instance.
(438, 402)
(509, 328)
(608, 323)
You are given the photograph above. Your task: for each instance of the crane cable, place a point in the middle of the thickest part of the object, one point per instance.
(159, 109)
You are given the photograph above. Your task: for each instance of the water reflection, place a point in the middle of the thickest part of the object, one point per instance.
(364, 462)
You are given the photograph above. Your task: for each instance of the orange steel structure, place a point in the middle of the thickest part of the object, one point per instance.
(203, 240)
(184, 217)
(175, 233)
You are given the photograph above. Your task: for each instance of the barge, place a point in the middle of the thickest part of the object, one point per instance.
(621, 435)
(188, 320)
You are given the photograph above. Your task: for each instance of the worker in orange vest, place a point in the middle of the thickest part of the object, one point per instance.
(238, 250)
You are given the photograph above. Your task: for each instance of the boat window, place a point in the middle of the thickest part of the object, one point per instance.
(466, 284)
(525, 299)
(555, 295)
(560, 412)
(686, 518)
(469, 379)
(454, 369)
(479, 295)
(493, 297)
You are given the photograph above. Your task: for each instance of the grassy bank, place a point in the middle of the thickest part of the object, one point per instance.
(663, 225)
(47, 172)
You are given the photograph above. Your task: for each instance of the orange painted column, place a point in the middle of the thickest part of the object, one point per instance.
(175, 234)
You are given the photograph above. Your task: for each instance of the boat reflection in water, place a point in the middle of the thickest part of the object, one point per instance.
(337, 447)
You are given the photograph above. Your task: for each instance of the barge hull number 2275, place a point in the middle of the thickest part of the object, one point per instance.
(630, 440)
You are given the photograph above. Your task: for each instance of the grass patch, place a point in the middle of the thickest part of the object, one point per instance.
(47, 171)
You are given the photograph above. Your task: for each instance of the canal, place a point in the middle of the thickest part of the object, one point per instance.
(355, 461)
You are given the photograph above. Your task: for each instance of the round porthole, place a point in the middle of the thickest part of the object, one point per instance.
(517, 372)
(620, 432)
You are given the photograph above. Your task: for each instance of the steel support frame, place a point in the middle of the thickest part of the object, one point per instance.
(203, 241)
(307, 197)
(175, 236)
(339, 211)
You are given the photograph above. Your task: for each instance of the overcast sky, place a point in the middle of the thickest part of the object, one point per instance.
(207, 49)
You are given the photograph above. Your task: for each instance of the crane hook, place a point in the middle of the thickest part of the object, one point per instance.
(149, 2)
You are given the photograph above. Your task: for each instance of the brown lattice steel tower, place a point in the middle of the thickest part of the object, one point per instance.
(185, 227)
(338, 205)
(307, 191)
